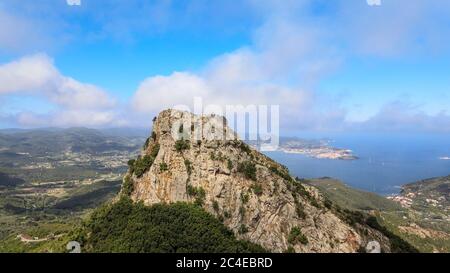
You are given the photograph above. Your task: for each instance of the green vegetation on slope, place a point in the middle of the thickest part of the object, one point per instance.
(181, 145)
(177, 228)
(143, 163)
(424, 239)
(198, 193)
(398, 244)
(389, 215)
(50, 232)
(248, 169)
(350, 198)
(296, 236)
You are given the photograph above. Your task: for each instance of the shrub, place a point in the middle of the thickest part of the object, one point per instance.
(188, 165)
(299, 209)
(283, 174)
(131, 162)
(353, 217)
(226, 214)
(297, 187)
(199, 194)
(242, 211)
(154, 135)
(300, 212)
(142, 165)
(163, 167)
(131, 165)
(125, 227)
(221, 157)
(215, 206)
(147, 142)
(244, 197)
(296, 236)
(244, 147)
(247, 168)
(314, 202)
(127, 186)
(275, 186)
(199, 201)
(155, 150)
(257, 189)
(181, 145)
(230, 164)
(191, 191)
(242, 229)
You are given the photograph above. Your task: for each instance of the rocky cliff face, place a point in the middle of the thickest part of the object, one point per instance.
(195, 159)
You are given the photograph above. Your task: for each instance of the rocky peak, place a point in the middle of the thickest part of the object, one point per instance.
(199, 159)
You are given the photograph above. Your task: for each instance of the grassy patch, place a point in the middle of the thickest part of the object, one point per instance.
(142, 165)
(181, 145)
(197, 192)
(296, 236)
(163, 167)
(248, 169)
(188, 165)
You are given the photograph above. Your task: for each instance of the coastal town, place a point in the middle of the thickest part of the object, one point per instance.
(320, 149)
(323, 153)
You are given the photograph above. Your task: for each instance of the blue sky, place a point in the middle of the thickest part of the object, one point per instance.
(330, 65)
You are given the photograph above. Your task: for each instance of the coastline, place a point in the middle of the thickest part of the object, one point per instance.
(322, 153)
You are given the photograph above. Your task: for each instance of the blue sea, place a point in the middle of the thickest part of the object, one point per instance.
(385, 161)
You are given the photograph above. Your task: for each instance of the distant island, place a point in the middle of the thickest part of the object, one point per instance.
(321, 149)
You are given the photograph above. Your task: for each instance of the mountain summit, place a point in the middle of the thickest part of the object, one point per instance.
(198, 159)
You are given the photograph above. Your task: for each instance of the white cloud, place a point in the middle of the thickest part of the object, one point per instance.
(38, 76)
(27, 74)
(292, 51)
(280, 67)
(76, 95)
(404, 117)
(78, 104)
(289, 54)
(16, 33)
(395, 28)
(69, 118)
(162, 92)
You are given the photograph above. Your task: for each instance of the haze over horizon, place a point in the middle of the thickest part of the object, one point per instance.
(333, 66)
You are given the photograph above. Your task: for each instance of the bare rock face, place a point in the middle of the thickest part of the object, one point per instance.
(198, 159)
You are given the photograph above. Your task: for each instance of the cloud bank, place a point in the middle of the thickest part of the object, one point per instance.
(294, 47)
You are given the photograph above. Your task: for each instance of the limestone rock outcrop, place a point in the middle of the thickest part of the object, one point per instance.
(199, 159)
